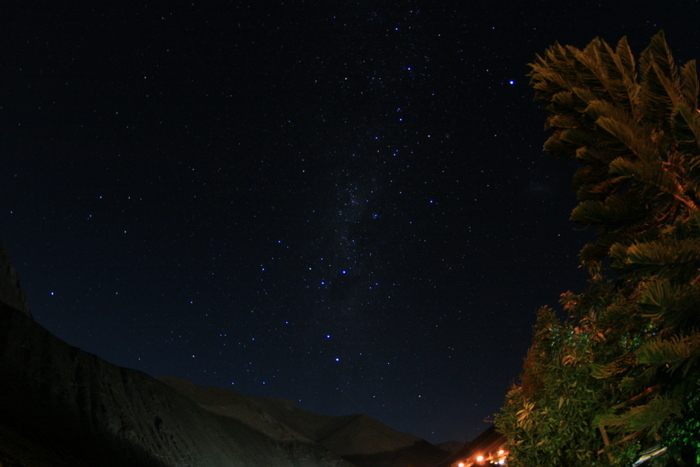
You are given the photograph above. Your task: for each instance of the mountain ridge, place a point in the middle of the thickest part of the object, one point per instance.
(345, 435)
(60, 405)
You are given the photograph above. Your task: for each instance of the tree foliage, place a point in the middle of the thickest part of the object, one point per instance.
(621, 374)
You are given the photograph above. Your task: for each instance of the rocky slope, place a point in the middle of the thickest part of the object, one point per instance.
(74, 403)
(60, 405)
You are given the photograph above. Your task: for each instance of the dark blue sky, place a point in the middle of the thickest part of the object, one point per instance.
(343, 204)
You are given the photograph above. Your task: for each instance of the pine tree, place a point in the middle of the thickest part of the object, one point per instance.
(631, 342)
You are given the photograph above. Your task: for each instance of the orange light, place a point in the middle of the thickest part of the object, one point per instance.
(480, 458)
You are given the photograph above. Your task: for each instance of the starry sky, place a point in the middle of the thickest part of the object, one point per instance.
(339, 203)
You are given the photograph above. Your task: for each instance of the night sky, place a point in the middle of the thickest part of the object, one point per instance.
(339, 203)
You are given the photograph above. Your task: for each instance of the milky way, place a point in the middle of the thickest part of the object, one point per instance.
(343, 204)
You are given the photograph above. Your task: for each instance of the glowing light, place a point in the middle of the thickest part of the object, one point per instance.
(480, 458)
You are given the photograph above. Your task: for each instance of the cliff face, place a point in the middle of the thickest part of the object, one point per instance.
(11, 292)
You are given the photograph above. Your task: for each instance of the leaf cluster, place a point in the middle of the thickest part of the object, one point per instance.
(622, 373)
(634, 129)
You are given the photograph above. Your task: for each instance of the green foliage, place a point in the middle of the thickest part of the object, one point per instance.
(548, 417)
(651, 415)
(684, 437)
(674, 353)
(622, 373)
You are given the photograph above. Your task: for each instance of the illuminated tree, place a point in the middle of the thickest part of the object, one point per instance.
(621, 374)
